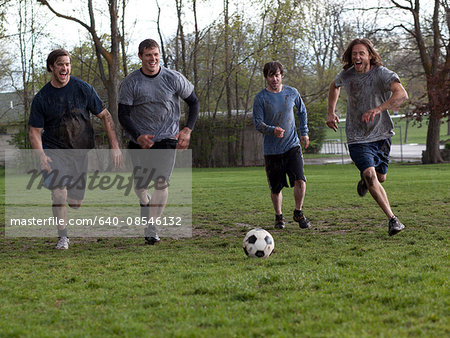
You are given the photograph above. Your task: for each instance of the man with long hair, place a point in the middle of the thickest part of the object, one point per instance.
(372, 89)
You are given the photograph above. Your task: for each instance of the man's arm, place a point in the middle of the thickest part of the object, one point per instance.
(303, 120)
(399, 95)
(260, 125)
(184, 136)
(108, 126)
(333, 96)
(36, 144)
(144, 140)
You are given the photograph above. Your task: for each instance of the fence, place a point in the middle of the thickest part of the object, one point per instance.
(400, 152)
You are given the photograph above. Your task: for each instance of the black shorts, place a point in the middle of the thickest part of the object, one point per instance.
(154, 164)
(278, 166)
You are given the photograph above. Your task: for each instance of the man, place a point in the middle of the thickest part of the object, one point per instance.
(274, 117)
(149, 111)
(59, 119)
(372, 89)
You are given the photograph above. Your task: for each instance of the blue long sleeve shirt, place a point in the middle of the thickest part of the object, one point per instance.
(272, 110)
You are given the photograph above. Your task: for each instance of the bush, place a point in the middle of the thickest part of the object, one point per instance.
(317, 115)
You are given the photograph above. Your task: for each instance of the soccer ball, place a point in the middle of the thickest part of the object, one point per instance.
(258, 243)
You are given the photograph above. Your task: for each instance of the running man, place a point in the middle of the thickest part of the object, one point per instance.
(149, 111)
(372, 89)
(59, 119)
(273, 116)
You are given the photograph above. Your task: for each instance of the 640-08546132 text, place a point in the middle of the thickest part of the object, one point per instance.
(98, 221)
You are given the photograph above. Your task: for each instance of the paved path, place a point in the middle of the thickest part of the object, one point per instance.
(405, 153)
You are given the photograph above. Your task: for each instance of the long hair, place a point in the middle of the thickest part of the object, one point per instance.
(347, 56)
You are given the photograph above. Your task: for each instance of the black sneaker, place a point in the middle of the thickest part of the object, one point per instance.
(152, 240)
(395, 226)
(279, 222)
(301, 219)
(362, 187)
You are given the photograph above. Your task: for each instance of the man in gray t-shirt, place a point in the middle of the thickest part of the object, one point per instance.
(149, 111)
(371, 89)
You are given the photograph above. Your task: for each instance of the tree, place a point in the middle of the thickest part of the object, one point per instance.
(3, 7)
(29, 33)
(158, 25)
(430, 35)
(180, 41)
(436, 65)
(110, 54)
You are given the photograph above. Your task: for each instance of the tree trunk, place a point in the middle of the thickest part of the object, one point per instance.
(196, 42)
(180, 37)
(406, 130)
(230, 133)
(161, 40)
(122, 42)
(432, 153)
(114, 69)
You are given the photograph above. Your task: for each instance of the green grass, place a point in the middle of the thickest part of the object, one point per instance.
(417, 133)
(344, 278)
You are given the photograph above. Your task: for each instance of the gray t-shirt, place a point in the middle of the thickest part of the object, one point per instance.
(155, 101)
(367, 91)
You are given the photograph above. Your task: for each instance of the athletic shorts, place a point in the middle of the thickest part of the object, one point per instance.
(154, 164)
(372, 154)
(69, 170)
(278, 166)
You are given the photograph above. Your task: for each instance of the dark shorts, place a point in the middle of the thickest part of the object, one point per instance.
(372, 154)
(154, 164)
(278, 166)
(69, 170)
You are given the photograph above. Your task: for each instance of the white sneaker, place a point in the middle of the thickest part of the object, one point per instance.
(63, 243)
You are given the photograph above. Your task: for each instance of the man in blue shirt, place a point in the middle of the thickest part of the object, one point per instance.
(274, 117)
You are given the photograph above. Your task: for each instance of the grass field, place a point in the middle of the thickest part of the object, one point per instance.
(345, 277)
(416, 133)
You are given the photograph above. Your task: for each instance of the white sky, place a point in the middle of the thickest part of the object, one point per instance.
(141, 18)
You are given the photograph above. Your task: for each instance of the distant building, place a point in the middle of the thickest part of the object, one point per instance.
(11, 108)
(11, 120)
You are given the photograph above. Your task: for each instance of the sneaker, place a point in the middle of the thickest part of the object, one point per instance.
(395, 226)
(362, 187)
(301, 219)
(63, 243)
(279, 222)
(152, 240)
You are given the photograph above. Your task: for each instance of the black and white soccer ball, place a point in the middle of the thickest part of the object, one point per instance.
(258, 243)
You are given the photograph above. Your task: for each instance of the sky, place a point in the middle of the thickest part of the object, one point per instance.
(141, 16)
